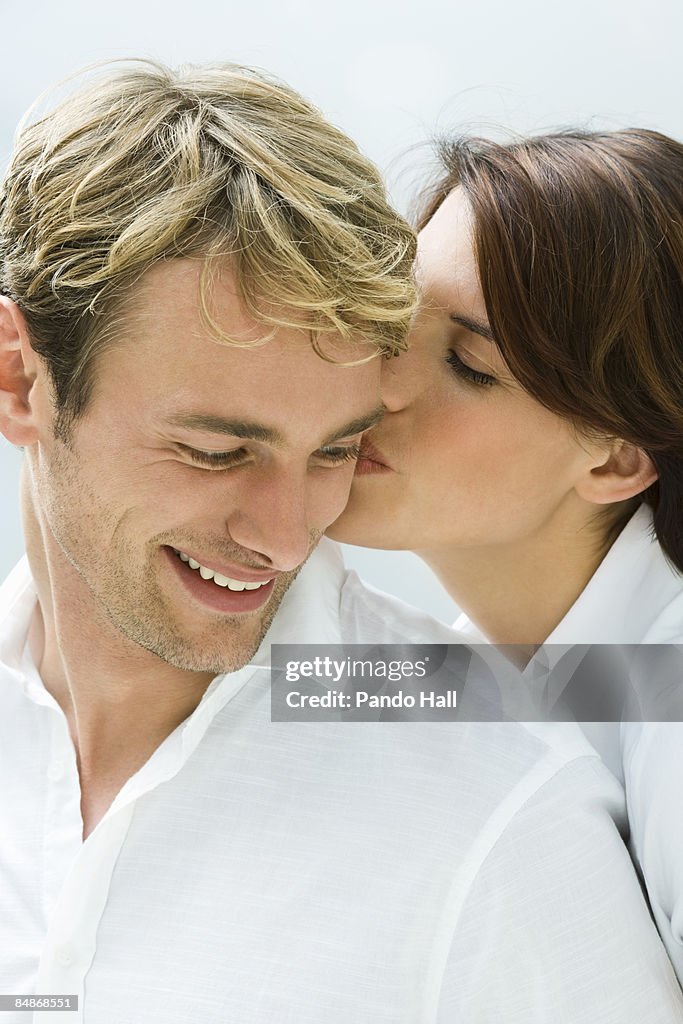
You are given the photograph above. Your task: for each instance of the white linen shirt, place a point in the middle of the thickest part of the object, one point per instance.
(261, 872)
(636, 597)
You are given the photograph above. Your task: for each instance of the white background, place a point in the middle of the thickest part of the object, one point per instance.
(391, 76)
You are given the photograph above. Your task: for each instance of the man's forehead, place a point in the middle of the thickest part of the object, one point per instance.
(176, 289)
(201, 297)
(168, 362)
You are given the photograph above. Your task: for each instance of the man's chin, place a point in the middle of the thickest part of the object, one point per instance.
(225, 647)
(222, 650)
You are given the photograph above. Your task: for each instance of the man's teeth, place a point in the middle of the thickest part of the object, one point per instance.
(218, 579)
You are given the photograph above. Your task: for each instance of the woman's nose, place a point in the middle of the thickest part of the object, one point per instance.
(402, 375)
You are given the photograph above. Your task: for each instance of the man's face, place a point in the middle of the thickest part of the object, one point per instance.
(193, 452)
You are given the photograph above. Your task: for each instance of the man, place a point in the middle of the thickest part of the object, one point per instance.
(198, 274)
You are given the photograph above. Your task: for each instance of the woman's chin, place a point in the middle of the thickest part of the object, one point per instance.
(349, 530)
(360, 526)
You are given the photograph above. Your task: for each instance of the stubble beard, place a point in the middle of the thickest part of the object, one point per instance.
(227, 643)
(136, 606)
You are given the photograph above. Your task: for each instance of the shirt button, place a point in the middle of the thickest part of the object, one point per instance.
(65, 956)
(55, 771)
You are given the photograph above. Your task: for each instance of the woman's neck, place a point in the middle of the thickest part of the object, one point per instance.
(517, 593)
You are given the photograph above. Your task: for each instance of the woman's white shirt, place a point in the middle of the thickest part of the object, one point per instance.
(636, 597)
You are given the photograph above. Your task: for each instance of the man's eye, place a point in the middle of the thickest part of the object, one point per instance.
(219, 460)
(337, 456)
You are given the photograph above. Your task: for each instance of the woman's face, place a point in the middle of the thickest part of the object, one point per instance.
(470, 459)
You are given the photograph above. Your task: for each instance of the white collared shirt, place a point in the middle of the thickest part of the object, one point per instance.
(263, 872)
(636, 597)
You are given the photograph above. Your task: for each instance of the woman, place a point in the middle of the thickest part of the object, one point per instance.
(532, 451)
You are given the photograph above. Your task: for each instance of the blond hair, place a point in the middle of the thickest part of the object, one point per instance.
(221, 162)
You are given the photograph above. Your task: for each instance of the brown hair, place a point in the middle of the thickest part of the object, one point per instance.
(220, 162)
(579, 243)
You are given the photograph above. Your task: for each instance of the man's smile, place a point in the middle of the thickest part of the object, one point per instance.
(244, 581)
(218, 591)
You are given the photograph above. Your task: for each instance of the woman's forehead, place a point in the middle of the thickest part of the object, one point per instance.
(446, 267)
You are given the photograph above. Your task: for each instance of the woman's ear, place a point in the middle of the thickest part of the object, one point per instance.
(626, 472)
(18, 373)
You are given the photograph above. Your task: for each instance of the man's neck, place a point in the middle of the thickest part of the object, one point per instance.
(120, 701)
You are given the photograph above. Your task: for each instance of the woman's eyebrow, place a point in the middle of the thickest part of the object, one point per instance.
(479, 327)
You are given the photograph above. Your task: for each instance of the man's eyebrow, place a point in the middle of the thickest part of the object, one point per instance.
(235, 428)
(258, 432)
(357, 426)
(475, 326)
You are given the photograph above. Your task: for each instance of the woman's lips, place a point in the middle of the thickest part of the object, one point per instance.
(371, 460)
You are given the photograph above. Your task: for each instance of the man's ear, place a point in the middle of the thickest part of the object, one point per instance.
(18, 373)
(626, 472)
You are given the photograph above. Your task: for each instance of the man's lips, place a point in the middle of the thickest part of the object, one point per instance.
(217, 591)
(371, 459)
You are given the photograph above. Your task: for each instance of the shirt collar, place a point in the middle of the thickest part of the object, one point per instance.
(17, 604)
(631, 586)
(625, 595)
(309, 613)
(629, 589)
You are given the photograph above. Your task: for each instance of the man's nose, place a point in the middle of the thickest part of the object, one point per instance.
(271, 517)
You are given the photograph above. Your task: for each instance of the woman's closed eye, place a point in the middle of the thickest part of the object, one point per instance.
(468, 373)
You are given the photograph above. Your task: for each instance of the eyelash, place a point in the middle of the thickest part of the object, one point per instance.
(220, 459)
(224, 460)
(467, 373)
(347, 453)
